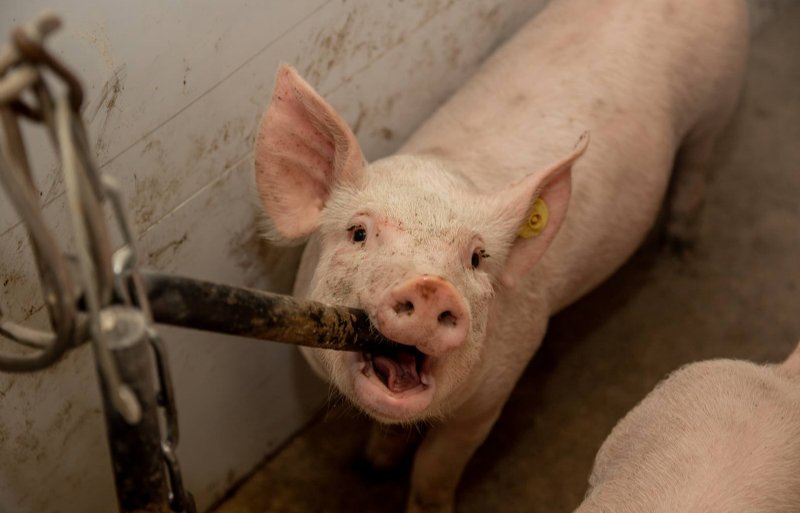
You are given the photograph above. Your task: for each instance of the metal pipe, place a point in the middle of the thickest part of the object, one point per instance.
(136, 454)
(206, 306)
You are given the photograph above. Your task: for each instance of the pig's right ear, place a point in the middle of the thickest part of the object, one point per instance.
(302, 149)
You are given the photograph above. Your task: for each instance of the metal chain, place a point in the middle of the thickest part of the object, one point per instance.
(132, 291)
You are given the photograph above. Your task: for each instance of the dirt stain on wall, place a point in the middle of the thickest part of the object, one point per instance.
(329, 49)
(106, 103)
(154, 190)
(262, 262)
(9, 279)
(169, 249)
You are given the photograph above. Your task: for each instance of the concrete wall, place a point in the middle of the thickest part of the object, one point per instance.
(174, 92)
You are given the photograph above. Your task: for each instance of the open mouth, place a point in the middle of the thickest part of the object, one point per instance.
(394, 384)
(399, 369)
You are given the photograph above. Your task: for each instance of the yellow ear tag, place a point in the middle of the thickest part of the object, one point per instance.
(537, 221)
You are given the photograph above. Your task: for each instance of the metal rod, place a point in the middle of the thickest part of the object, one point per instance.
(206, 306)
(135, 447)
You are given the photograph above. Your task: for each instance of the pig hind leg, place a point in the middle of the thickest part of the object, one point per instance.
(688, 189)
(693, 164)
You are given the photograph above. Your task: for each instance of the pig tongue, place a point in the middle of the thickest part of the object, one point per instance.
(399, 373)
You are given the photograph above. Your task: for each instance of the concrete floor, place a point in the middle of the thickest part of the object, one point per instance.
(738, 296)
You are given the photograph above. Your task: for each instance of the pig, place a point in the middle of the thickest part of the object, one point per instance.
(721, 436)
(491, 217)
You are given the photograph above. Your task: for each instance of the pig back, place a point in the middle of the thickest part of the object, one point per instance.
(716, 437)
(638, 75)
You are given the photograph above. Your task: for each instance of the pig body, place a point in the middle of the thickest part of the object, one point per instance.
(463, 244)
(720, 436)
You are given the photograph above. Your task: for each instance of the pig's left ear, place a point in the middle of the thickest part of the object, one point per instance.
(534, 209)
(303, 148)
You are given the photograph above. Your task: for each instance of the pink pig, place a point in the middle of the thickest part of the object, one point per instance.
(491, 218)
(721, 436)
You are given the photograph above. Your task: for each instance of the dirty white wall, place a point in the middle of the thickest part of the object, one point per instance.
(174, 92)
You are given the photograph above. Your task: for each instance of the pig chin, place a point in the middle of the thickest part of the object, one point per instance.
(394, 387)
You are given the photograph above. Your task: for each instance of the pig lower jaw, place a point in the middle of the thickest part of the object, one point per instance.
(372, 395)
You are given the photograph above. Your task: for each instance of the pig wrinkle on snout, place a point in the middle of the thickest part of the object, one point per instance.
(715, 437)
(491, 217)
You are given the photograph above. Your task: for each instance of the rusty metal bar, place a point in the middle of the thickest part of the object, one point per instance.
(138, 462)
(207, 306)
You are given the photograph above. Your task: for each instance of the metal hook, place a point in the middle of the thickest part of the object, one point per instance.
(57, 286)
(81, 206)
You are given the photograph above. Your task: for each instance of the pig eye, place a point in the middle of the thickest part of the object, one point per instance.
(476, 260)
(358, 233)
(477, 257)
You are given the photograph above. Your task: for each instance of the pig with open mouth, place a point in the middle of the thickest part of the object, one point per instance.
(498, 212)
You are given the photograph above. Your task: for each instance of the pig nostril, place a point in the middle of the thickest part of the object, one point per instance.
(404, 308)
(447, 318)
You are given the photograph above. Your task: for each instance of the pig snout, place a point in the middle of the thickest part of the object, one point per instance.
(426, 312)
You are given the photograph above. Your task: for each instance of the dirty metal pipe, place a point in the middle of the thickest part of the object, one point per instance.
(206, 306)
(137, 459)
